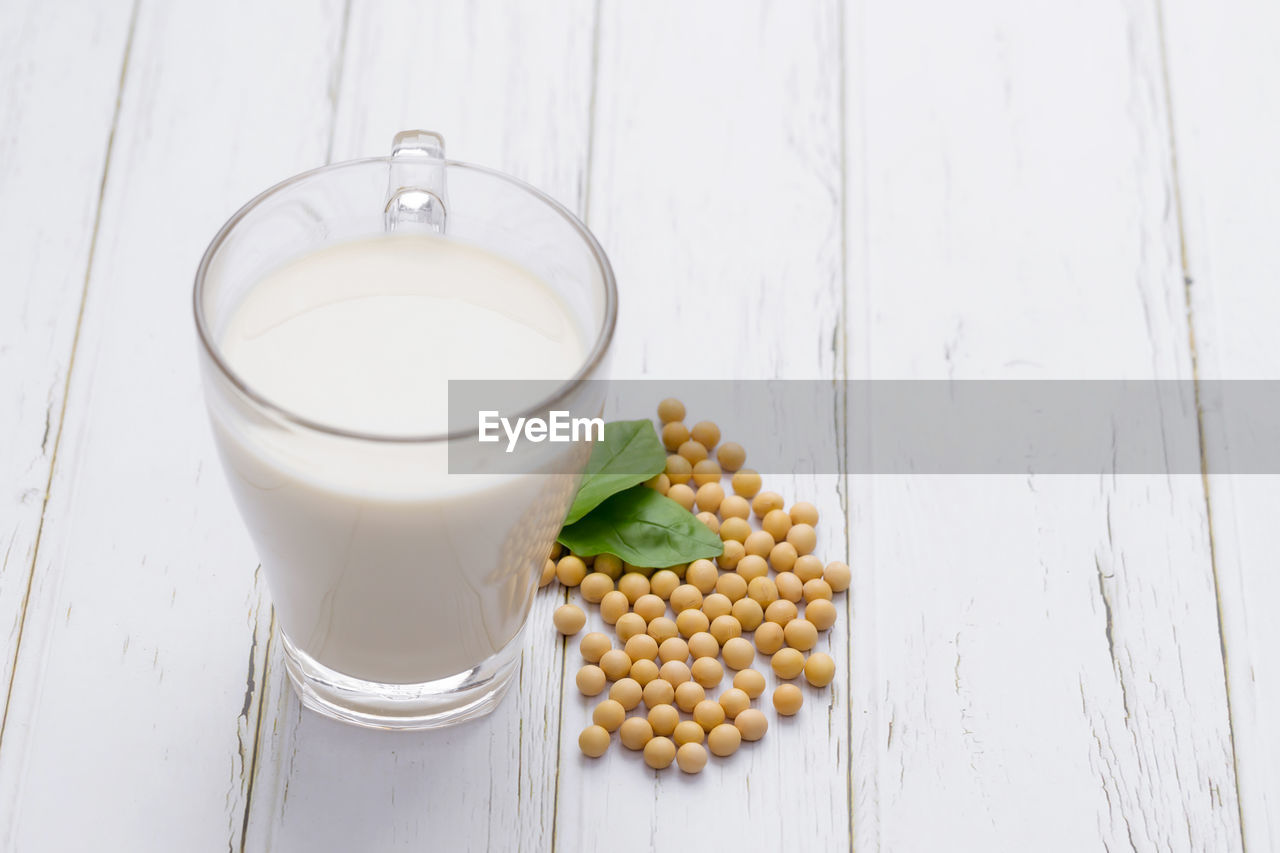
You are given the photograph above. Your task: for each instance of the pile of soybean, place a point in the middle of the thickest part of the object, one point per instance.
(678, 627)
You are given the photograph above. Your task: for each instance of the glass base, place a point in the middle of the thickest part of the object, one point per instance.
(429, 705)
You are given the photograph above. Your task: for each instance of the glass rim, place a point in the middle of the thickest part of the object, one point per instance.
(592, 359)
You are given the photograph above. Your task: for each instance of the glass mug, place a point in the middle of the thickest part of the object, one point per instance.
(401, 590)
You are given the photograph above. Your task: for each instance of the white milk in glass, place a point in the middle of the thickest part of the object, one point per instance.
(381, 565)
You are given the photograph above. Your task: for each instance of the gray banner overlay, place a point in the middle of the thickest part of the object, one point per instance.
(1003, 427)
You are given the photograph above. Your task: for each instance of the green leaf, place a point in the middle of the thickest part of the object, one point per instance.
(644, 528)
(629, 455)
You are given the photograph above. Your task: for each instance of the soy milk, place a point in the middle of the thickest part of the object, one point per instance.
(381, 565)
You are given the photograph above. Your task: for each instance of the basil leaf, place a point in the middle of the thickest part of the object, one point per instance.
(629, 455)
(644, 528)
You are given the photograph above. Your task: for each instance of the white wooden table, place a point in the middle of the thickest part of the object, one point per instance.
(989, 189)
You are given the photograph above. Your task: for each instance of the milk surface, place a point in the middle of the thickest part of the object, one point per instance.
(381, 565)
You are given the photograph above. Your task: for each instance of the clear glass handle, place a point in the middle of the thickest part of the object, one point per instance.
(416, 198)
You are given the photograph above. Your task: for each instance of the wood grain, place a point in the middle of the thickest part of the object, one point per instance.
(146, 617)
(715, 188)
(914, 190)
(61, 74)
(513, 94)
(1224, 79)
(1037, 656)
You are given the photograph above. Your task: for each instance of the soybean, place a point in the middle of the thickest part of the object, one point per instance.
(682, 495)
(769, 638)
(649, 607)
(803, 537)
(777, 522)
(688, 695)
(627, 692)
(733, 552)
(658, 692)
(673, 649)
(703, 645)
(780, 611)
(821, 613)
(629, 625)
(613, 606)
(801, 634)
(708, 714)
(787, 663)
(633, 585)
(804, 513)
(735, 506)
(674, 434)
(724, 740)
(571, 570)
(837, 576)
(659, 753)
(738, 654)
(708, 672)
(593, 645)
(708, 497)
(643, 671)
(687, 731)
(783, 557)
(591, 680)
(807, 568)
(734, 701)
(688, 596)
(817, 588)
(675, 673)
(736, 529)
(731, 456)
(725, 628)
(707, 472)
(750, 682)
(663, 719)
(752, 566)
(615, 663)
(752, 724)
(663, 582)
(717, 603)
(635, 732)
(691, 622)
(746, 483)
(609, 714)
(670, 410)
(594, 741)
(662, 629)
(749, 613)
(819, 669)
(693, 450)
(787, 699)
(763, 502)
(690, 757)
(569, 619)
(679, 471)
(701, 575)
(789, 586)
(596, 586)
(732, 587)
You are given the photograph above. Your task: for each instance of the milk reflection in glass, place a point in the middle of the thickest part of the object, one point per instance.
(381, 565)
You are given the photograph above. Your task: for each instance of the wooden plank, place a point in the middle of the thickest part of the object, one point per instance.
(62, 75)
(1224, 77)
(1038, 656)
(716, 189)
(509, 87)
(129, 721)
